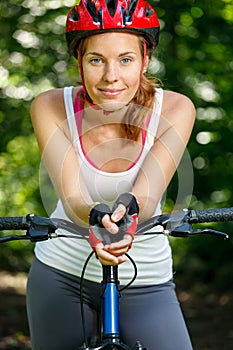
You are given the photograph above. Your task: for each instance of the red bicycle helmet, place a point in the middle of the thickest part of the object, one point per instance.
(91, 17)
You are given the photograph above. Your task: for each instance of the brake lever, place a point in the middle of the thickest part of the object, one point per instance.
(186, 230)
(209, 231)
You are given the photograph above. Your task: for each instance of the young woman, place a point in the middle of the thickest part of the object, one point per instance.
(111, 147)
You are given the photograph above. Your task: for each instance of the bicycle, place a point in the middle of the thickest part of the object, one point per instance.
(177, 225)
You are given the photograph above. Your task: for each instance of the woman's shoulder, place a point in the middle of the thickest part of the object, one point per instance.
(49, 107)
(177, 111)
(49, 98)
(53, 98)
(48, 112)
(176, 104)
(172, 99)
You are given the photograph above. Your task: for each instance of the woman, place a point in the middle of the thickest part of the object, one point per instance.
(111, 147)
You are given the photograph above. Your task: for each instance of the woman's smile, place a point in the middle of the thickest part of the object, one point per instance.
(111, 92)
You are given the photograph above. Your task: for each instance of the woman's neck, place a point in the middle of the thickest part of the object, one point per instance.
(98, 116)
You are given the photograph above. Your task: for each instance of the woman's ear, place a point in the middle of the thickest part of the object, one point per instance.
(146, 64)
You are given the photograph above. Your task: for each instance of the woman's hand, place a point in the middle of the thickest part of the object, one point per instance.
(114, 253)
(102, 220)
(104, 223)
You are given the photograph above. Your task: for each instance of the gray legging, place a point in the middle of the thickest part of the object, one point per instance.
(150, 314)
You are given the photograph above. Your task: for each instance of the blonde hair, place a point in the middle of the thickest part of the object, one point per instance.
(141, 105)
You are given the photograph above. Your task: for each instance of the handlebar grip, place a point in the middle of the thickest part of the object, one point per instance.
(211, 215)
(14, 223)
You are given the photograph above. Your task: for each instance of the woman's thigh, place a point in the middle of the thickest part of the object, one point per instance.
(153, 316)
(53, 307)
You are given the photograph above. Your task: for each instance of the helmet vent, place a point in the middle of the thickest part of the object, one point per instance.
(131, 9)
(112, 6)
(74, 15)
(96, 16)
(148, 12)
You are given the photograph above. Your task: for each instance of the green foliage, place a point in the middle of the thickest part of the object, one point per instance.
(204, 262)
(194, 57)
(33, 58)
(196, 51)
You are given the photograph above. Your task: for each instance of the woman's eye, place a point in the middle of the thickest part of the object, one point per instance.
(96, 60)
(126, 60)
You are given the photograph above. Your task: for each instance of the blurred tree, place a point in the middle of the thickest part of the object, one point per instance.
(194, 57)
(33, 58)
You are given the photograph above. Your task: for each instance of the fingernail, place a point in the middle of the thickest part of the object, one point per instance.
(115, 217)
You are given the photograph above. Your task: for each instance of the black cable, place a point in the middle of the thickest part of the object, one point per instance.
(81, 298)
(135, 273)
(81, 290)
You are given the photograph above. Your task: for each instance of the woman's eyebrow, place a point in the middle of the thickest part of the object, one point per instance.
(128, 53)
(94, 53)
(121, 54)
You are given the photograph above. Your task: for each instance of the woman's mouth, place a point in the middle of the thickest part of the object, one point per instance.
(111, 92)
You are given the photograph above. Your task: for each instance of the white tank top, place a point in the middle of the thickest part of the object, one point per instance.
(151, 253)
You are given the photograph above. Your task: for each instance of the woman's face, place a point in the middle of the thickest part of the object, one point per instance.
(112, 68)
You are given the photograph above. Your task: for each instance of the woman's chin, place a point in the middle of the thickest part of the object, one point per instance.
(113, 106)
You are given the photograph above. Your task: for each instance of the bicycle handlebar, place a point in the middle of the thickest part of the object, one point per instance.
(14, 223)
(177, 224)
(211, 215)
(38, 228)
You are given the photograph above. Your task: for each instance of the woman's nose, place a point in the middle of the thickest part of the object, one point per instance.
(111, 73)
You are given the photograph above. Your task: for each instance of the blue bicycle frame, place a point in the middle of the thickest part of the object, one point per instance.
(110, 313)
(110, 305)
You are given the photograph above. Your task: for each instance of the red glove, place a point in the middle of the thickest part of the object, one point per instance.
(97, 232)
(129, 222)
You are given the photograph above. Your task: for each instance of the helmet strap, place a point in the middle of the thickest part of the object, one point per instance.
(143, 63)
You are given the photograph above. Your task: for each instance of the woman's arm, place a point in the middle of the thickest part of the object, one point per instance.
(175, 127)
(52, 132)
